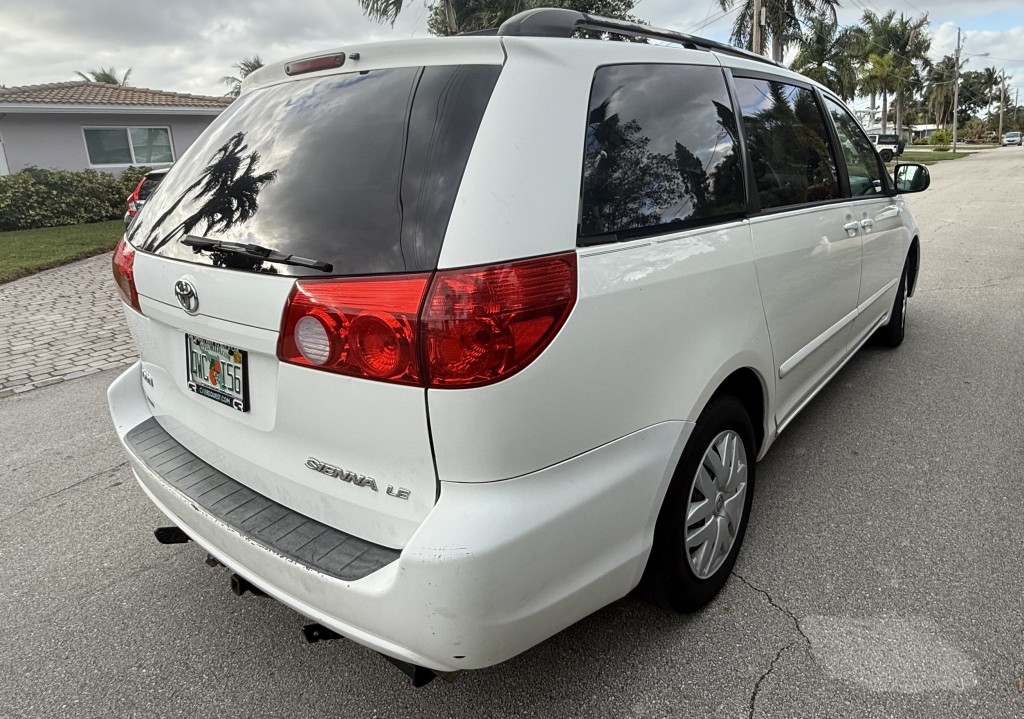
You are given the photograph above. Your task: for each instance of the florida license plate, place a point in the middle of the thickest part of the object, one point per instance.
(218, 372)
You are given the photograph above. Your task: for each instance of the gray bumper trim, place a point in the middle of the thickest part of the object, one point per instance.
(276, 527)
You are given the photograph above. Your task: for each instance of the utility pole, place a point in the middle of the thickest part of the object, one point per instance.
(1002, 102)
(757, 42)
(956, 88)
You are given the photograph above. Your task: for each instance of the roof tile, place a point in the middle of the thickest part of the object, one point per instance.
(82, 92)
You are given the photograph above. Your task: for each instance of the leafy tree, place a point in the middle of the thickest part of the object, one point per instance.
(626, 179)
(974, 94)
(825, 55)
(782, 21)
(450, 17)
(106, 74)
(941, 80)
(245, 68)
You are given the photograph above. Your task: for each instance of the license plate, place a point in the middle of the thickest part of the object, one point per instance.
(218, 372)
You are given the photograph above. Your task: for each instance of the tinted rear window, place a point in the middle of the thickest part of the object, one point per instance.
(148, 185)
(358, 170)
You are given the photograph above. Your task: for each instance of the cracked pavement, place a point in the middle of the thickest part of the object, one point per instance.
(880, 576)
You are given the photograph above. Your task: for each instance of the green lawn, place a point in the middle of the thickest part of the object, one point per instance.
(25, 252)
(930, 157)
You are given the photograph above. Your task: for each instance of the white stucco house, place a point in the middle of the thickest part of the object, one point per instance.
(82, 125)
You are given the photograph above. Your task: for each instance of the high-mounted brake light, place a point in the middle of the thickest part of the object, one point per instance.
(313, 64)
(124, 274)
(459, 328)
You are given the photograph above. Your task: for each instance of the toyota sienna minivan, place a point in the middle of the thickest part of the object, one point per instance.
(447, 343)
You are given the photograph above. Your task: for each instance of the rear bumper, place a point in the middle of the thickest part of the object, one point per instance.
(493, 570)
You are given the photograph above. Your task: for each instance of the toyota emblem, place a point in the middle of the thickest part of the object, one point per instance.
(186, 295)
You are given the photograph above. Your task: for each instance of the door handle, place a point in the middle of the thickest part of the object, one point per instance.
(867, 224)
(851, 226)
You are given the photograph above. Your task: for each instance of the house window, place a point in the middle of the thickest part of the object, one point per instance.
(128, 145)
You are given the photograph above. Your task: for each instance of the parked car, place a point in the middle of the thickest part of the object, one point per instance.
(1012, 138)
(888, 146)
(141, 193)
(447, 344)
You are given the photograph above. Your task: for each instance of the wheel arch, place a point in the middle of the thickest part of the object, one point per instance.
(748, 386)
(914, 262)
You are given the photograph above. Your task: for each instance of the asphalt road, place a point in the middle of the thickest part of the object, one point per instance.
(882, 575)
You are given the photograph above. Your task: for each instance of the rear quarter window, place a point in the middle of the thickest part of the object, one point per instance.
(661, 152)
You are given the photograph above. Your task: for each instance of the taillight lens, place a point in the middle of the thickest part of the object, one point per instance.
(133, 198)
(365, 327)
(459, 328)
(482, 325)
(124, 274)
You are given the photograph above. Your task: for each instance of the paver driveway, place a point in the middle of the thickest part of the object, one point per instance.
(61, 324)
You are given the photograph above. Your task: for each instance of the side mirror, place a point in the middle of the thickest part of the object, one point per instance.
(912, 178)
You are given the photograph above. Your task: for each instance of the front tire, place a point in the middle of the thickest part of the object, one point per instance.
(704, 516)
(886, 155)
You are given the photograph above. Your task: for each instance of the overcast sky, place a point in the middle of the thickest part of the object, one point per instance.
(187, 45)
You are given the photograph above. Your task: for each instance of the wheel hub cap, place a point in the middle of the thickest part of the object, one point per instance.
(716, 501)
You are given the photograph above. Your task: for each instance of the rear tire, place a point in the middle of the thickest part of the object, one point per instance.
(698, 536)
(891, 335)
(886, 155)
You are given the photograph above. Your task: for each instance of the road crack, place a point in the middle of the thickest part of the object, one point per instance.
(28, 505)
(771, 600)
(778, 655)
(761, 679)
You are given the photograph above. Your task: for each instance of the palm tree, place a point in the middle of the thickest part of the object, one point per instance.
(228, 188)
(383, 10)
(908, 42)
(245, 68)
(782, 21)
(880, 77)
(105, 74)
(825, 55)
(990, 77)
(939, 94)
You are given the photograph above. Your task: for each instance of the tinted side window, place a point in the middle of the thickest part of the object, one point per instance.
(790, 152)
(861, 160)
(661, 151)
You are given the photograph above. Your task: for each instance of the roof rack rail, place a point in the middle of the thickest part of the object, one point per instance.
(561, 22)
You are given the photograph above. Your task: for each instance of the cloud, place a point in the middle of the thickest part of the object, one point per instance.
(188, 45)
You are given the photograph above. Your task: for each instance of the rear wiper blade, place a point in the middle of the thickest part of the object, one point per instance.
(255, 252)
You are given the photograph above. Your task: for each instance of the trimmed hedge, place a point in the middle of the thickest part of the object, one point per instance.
(50, 198)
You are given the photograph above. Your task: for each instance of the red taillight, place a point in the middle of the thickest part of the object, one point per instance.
(461, 328)
(365, 327)
(124, 274)
(133, 198)
(482, 325)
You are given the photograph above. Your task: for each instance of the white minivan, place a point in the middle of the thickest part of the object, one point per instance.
(447, 343)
